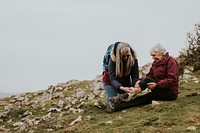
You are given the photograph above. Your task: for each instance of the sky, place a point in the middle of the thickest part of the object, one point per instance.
(45, 42)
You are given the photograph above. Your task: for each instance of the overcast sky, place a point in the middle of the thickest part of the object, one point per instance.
(45, 42)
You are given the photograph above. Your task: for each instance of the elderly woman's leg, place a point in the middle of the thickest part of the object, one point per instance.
(128, 96)
(140, 100)
(156, 94)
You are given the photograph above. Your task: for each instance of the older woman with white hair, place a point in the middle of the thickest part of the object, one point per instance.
(162, 80)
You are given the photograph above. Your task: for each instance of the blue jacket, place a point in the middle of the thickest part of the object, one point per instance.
(110, 78)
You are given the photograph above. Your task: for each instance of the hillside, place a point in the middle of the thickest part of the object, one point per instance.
(71, 107)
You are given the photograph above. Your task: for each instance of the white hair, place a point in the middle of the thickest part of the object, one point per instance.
(158, 49)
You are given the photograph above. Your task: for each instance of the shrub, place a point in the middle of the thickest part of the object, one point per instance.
(191, 54)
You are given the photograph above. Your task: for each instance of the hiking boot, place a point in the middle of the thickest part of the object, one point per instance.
(130, 96)
(123, 97)
(119, 98)
(101, 104)
(110, 107)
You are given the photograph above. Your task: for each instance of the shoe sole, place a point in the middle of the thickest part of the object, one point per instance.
(101, 105)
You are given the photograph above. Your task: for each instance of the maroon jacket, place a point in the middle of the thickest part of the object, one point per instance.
(165, 73)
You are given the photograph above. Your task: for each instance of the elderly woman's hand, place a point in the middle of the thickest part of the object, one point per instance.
(137, 84)
(151, 85)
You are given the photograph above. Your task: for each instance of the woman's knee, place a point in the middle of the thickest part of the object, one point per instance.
(109, 91)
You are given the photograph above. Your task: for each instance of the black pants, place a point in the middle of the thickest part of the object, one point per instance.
(155, 94)
(144, 82)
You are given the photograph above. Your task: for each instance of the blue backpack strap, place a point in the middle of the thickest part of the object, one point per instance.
(107, 56)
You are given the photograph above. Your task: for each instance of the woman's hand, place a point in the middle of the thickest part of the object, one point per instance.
(151, 85)
(127, 89)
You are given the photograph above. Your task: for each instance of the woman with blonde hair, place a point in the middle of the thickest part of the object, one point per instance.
(122, 72)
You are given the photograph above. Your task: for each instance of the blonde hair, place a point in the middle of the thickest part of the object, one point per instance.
(122, 68)
(158, 49)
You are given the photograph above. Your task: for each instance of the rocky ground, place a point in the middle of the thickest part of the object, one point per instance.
(57, 108)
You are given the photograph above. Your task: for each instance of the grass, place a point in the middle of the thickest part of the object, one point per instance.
(167, 117)
(173, 116)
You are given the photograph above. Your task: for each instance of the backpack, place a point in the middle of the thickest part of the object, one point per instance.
(106, 57)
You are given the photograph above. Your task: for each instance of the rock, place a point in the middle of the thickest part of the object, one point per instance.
(74, 101)
(54, 110)
(68, 106)
(154, 102)
(102, 94)
(27, 113)
(191, 128)
(188, 69)
(31, 120)
(98, 78)
(47, 117)
(49, 130)
(108, 122)
(145, 69)
(58, 89)
(20, 99)
(97, 88)
(4, 130)
(3, 103)
(76, 120)
(80, 94)
(39, 92)
(60, 104)
(91, 96)
(58, 95)
(8, 107)
(18, 124)
(22, 128)
(71, 82)
(187, 73)
(50, 89)
(88, 118)
(75, 111)
(4, 114)
(58, 126)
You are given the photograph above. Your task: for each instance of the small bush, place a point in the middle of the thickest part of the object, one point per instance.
(191, 54)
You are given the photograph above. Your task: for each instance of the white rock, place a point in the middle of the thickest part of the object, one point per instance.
(54, 109)
(58, 89)
(109, 122)
(22, 128)
(74, 111)
(8, 107)
(191, 128)
(18, 124)
(60, 103)
(46, 117)
(88, 117)
(91, 96)
(154, 102)
(49, 130)
(76, 120)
